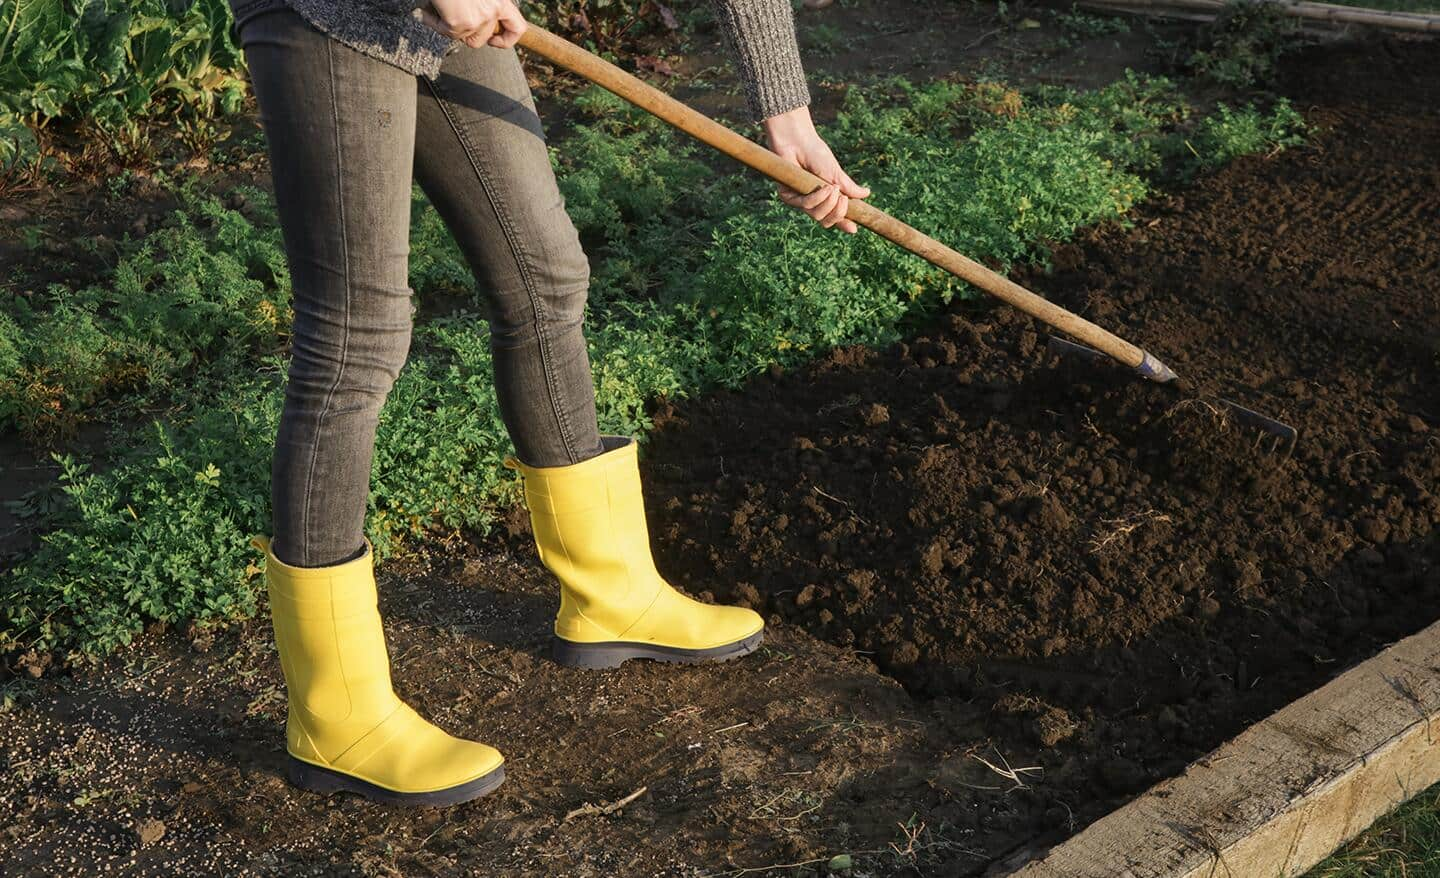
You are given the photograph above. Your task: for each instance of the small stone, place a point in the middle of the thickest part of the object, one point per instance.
(149, 831)
(806, 597)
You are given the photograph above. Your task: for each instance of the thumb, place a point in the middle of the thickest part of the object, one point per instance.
(851, 189)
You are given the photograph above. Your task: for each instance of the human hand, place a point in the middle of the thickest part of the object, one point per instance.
(793, 136)
(476, 22)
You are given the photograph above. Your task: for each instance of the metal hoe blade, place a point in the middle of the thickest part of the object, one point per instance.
(1242, 415)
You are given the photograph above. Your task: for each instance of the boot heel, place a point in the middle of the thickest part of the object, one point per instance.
(594, 656)
(590, 656)
(309, 777)
(326, 782)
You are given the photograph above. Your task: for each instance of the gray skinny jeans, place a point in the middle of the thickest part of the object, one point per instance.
(345, 134)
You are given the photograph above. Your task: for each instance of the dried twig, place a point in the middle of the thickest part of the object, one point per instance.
(848, 507)
(1014, 775)
(1124, 526)
(589, 810)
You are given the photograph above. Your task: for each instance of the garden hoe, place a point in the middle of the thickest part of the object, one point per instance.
(1097, 344)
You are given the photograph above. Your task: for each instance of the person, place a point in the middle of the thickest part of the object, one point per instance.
(358, 98)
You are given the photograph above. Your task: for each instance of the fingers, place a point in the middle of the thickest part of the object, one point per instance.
(836, 215)
(480, 35)
(512, 27)
(827, 205)
(477, 24)
(806, 202)
(817, 202)
(791, 197)
(851, 188)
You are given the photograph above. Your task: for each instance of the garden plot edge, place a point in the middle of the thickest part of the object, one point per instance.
(1285, 793)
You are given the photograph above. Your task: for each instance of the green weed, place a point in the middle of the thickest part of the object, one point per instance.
(1230, 133)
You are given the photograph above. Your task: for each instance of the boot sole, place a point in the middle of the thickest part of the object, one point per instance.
(613, 654)
(327, 781)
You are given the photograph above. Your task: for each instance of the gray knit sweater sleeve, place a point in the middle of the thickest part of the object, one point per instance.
(761, 37)
(760, 34)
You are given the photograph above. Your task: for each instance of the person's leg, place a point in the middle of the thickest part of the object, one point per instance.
(481, 158)
(480, 155)
(341, 131)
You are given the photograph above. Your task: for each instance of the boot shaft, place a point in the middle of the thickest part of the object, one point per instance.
(332, 651)
(590, 531)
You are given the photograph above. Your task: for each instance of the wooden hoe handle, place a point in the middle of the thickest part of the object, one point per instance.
(702, 128)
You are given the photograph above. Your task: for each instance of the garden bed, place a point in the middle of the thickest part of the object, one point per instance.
(980, 562)
(1122, 579)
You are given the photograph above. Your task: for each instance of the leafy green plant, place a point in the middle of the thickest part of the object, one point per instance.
(112, 63)
(1241, 47)
(1079, 25)
(1230, 133)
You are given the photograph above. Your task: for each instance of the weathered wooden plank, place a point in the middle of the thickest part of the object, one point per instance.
(1286, 792)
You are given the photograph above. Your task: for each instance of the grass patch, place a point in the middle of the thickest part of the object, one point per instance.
(701, 280)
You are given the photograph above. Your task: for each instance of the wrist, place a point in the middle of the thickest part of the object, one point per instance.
(791, 126)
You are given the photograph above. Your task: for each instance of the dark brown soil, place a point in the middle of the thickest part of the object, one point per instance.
(1077, 578)
(1119, 577)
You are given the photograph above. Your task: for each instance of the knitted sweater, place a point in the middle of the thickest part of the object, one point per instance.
(759, 33)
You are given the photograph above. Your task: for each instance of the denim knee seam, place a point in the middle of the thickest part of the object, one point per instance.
(522, 262)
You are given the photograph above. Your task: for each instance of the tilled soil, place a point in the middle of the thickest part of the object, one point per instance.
(1118, 574)
(1009, 593)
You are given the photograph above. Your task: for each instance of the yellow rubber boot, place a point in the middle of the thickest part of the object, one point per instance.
(346, 729)
(589, 523)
